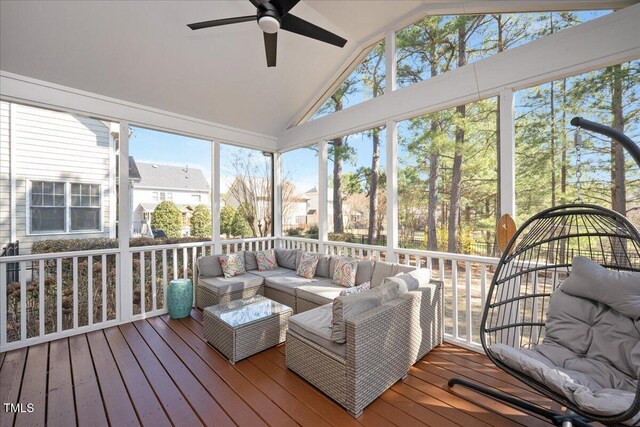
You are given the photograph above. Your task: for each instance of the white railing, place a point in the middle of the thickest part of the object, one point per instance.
(58, 295)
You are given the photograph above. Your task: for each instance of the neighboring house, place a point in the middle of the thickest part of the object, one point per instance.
(185, 186)
(255, 190)
(353, 213)
(57, 176)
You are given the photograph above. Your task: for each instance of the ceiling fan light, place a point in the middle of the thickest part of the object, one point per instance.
(269, 24)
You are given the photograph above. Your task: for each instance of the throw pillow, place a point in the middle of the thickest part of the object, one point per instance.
(356, 289)
(308, 265)
(266, 260)
(232, 264)
(345, 272)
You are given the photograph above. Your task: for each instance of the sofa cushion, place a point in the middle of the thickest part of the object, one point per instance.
(320, 292)
(266, 260)
(269, 273)
(619, 290)
(287, 282)
(364, 272)
(345, 271)
(389, 291)
(223, 285)
(332, 263)
(287, 258)
(315, 325)
(384, 269)
(250, 262)
(232, 264)
(307, 265)
(209, 266)
(348, 307)
(324, 262)
(412, 280)
(356, 289)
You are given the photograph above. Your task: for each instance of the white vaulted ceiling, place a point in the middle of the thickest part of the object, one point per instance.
(142, 52)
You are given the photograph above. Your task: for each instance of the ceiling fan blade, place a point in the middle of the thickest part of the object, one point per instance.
(271, 48)
(300, 26)
(256, 3)
(284, 6)
(218, 22)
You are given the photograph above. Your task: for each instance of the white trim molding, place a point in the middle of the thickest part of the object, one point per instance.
(26, 90)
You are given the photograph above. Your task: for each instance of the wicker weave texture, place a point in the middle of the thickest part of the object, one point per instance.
(323, 369)
(206, 298)
(431, 317)
(303, 305)
(243, 341)
(281, 297)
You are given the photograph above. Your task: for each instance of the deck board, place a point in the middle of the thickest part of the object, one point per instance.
(159, 371)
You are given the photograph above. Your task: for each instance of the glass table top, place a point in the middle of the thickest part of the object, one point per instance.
(243, 311)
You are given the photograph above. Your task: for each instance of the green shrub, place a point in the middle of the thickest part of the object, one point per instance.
(295, 231)
(167, 217)
(341, 237)
(201, 222)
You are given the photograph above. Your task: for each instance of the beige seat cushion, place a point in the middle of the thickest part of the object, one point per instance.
(315, 325)
(287, 282)
(384, 269)
(222, 285)
(269, 273)
(322, 292)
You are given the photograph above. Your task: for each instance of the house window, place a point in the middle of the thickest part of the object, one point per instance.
(196, 198)
(154, 196)
(166, 196)
(52, 211)
(85, 207)
(47, 206)
(170, 197)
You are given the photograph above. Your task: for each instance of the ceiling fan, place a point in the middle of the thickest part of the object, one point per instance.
(273, 15)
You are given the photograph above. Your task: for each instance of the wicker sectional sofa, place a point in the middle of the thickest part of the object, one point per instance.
(381, 344)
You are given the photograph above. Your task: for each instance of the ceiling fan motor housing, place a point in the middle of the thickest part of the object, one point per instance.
(269, 18)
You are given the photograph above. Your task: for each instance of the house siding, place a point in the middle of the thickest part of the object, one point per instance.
(54, 146)
(5, 183)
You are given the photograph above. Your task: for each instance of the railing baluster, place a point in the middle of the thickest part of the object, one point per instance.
(3, 305)
(154, 294)
(90, 290)
(164, 278)
(454, 282)
(41, 296)
(104, 287)
(175, 263)
(59, 294)
(441, 269)
(483, 284)
(118, 283)
(23, 300)
(75, 292)
(143, 302)
(467, 272)
(185, 266)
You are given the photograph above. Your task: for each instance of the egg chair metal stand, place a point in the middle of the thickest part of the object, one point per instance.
(535, 262)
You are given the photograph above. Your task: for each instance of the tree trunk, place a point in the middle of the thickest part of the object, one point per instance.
(432, 206)
(373, 187)
(456, 175)
(338, 222)
(553, 145)
(618, 189)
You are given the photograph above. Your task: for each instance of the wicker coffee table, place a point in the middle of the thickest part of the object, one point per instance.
(241, 328)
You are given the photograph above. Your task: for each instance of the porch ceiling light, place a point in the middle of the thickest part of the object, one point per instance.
(269, 24)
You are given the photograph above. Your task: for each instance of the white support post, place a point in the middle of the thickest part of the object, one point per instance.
(13, 146)
(124, 226)
(392, 189)
(391, 63)
(323, 224)
(277, 195)
(215, 196)
(507, 154)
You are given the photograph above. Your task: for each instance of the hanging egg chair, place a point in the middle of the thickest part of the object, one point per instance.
(563, 311)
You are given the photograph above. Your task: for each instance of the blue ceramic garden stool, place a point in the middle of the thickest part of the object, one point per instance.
(179, 298)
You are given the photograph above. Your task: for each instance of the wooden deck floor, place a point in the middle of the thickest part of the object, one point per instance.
(159, 372)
